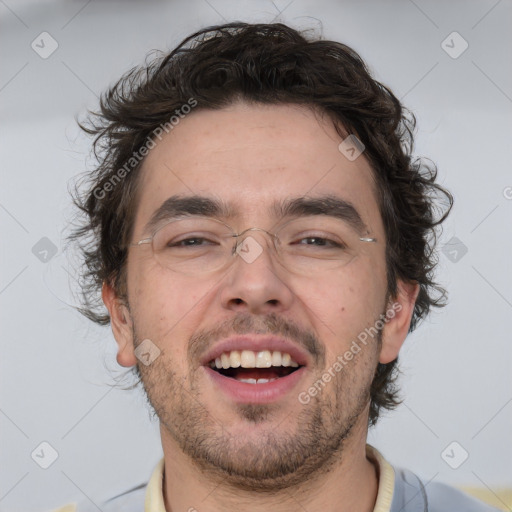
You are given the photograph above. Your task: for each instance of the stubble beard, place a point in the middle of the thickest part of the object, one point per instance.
(284, 455)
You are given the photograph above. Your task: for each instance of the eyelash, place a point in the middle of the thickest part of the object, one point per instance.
(332, 242)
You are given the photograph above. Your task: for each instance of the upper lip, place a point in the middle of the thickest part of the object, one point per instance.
(257, 344)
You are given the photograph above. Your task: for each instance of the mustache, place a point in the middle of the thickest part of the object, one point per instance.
(243, 323)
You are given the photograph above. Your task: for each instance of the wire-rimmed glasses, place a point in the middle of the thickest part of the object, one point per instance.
(196, 245)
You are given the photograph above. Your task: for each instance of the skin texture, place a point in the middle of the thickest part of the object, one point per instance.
(220, 455)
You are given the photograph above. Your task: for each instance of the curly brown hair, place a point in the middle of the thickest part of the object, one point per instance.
(268, 64)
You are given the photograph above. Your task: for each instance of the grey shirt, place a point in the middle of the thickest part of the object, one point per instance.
(400, 490)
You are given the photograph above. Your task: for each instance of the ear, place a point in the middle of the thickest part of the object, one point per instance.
(399, 313)
(122, 325)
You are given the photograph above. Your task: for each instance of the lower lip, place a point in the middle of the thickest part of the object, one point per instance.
(243, 392)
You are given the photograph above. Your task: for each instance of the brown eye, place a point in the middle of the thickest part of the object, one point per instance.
(190, 242)
(321, 242)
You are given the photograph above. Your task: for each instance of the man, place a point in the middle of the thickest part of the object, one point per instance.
(260, 234)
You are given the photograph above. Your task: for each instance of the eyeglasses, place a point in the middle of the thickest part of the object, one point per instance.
(306, 245)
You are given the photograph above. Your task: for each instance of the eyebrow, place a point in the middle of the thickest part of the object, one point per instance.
(188, 206)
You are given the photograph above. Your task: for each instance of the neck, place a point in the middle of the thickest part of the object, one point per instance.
(350, 484)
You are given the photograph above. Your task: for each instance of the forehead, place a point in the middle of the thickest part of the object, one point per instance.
(251, 155)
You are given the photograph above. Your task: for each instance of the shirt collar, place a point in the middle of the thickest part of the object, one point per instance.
(386, 475)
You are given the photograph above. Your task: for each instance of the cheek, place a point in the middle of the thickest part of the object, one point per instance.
(163, 304)
(344, 305)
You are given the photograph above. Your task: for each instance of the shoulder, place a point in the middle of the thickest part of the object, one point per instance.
(129, 501)
(411, 493)
(133, 499)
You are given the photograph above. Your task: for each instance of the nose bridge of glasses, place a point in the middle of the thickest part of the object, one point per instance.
(240, 236)
(244, 244)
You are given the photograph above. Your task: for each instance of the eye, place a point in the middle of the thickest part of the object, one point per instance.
(195, 241)
(318, 241)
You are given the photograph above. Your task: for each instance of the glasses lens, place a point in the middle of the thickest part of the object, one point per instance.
(315, 244)
(193, 246)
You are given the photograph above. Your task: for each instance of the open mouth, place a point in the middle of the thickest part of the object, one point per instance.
(257, 375)
(254, 367)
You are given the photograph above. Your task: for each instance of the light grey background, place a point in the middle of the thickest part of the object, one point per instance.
(55, 365)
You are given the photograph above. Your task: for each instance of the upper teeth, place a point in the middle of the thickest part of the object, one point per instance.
(250, 359)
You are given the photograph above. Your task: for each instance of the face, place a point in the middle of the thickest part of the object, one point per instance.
(250, 157)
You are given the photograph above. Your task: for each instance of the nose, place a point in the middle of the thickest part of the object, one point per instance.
(256, 283)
